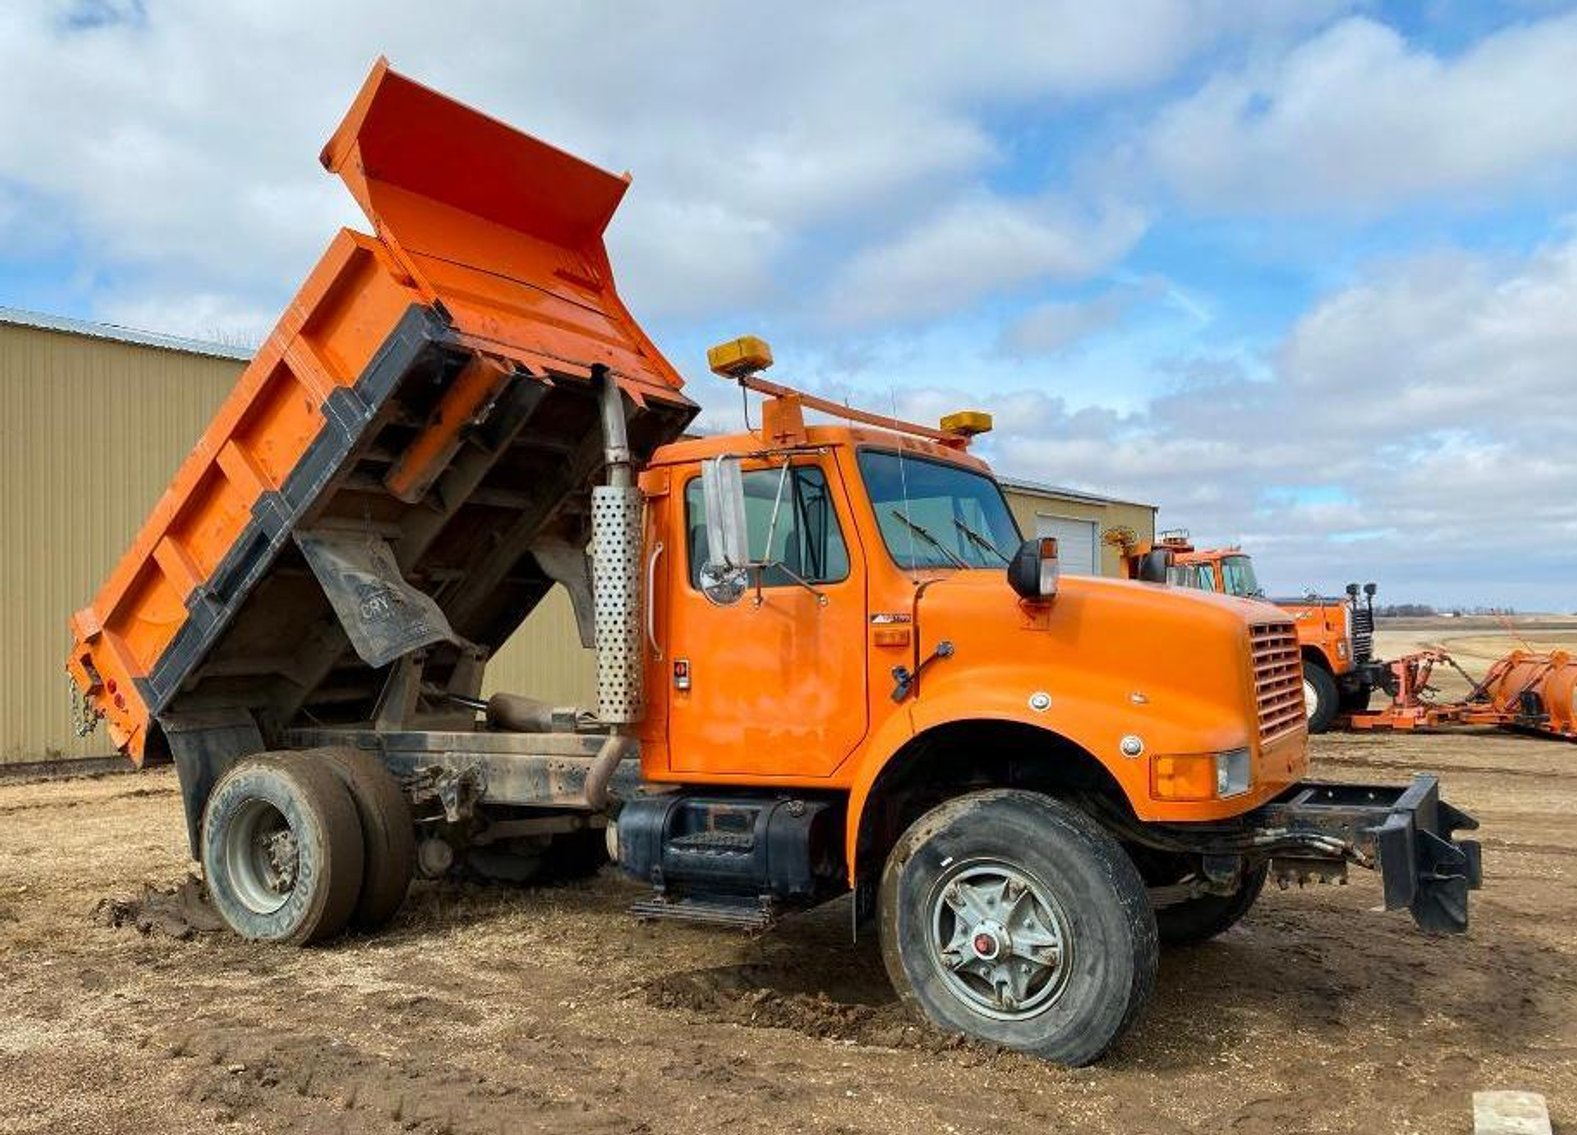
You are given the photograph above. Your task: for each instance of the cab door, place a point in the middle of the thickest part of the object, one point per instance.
(773, 684)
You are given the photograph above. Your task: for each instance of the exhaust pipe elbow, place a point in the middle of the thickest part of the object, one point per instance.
(603, 766)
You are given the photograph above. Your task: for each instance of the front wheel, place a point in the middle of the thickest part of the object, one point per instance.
(1012, 917)
(1320, 697)
(1356, 699)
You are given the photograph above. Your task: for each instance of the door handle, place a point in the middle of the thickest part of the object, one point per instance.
(651, 600)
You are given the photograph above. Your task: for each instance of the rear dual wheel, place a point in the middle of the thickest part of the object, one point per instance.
(297, 846)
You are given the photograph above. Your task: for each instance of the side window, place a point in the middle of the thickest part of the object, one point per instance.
(806, 540)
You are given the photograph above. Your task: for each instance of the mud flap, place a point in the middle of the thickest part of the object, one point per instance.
(1406, 834)
(384, 616)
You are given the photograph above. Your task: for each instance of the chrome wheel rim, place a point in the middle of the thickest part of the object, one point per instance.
(999, 939)
(1310, 699)
(260, 856)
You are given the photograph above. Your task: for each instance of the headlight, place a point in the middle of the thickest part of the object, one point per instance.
(1234, 773)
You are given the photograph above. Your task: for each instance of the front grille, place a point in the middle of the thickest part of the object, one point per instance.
(1278, 679)
(1362, 633)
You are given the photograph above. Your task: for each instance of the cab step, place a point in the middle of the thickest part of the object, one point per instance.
(739, 913)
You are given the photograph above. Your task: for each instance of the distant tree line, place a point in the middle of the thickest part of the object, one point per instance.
(1424, 611)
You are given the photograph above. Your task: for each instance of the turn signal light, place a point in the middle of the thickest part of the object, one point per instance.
(1186, 776)
(1201, 776)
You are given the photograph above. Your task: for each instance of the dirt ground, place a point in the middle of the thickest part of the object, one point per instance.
(492, 1010)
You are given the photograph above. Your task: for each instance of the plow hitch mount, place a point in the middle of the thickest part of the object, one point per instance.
(1406, 834)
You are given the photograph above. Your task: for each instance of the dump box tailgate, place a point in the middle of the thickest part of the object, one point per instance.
(431, 392)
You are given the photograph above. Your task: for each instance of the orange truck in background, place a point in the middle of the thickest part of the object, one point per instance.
(1335, 635)
(828, 663)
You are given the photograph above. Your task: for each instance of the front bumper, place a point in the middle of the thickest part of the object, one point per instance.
(1406, 834)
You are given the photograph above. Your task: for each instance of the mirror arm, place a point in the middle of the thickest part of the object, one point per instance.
(760, 568)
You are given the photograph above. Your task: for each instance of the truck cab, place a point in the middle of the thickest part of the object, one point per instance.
(828, 663)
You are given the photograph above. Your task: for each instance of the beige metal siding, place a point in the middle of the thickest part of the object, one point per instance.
(90, 432)
(1028, 505)
(544, 658)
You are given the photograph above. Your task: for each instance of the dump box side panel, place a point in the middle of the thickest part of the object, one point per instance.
(191, 550)
(434, 389)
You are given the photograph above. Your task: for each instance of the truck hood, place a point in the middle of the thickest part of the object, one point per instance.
(1176, 660)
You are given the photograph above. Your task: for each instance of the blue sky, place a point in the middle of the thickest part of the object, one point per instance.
(1301, 273)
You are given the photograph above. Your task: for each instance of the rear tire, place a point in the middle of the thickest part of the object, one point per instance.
(388, 832)
(1015, 918)
(1320, 697)
(282, 850)
(1202, 918)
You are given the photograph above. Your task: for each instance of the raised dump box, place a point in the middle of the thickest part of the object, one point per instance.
(416, 441)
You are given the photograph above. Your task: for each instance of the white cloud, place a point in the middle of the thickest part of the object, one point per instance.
(216, 318)
(179, 138)
(976, 246)
(1356, 118)
(1057, 326)
(1427, 407)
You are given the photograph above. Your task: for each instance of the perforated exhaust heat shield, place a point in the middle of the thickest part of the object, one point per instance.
(616, 595)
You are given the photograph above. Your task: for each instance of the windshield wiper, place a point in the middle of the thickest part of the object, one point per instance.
(924, 534)
(978, 540)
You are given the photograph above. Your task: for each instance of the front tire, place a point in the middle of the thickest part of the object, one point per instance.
(1015, 918)
(282, 850)
(1321, 699)
(1356, 700)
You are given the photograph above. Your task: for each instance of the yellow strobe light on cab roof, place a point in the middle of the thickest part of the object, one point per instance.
(739, 357)
(967, 423)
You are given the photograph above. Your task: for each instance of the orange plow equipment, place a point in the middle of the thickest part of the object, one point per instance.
(1526, 691)
(417, 393)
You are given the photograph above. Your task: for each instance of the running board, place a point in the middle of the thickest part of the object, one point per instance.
(741, 914)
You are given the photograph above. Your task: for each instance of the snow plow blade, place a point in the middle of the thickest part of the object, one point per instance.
(433, 389)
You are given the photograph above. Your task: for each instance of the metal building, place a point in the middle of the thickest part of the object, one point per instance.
(1079, 520)
(95, 419)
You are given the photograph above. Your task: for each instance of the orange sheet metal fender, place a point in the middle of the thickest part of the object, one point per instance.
(1094, 667)
(1096, 725)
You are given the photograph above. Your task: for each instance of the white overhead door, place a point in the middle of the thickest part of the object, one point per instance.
(1078, 542)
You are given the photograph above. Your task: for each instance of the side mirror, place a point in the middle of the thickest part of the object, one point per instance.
(723, 576)
(1155, 566)
(1033, 571)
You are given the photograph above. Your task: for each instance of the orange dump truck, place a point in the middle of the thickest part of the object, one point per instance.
(827, 661)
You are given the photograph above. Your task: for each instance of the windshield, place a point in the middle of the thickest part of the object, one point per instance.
(1202, 577)
(1237, 577)
(936, 515)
